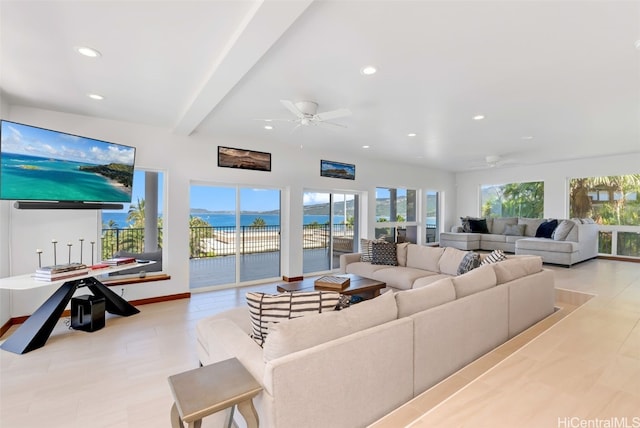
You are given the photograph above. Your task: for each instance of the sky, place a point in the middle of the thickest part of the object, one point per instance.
(220, 198)
(29, 140)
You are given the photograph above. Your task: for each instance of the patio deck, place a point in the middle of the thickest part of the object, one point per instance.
(221, 271)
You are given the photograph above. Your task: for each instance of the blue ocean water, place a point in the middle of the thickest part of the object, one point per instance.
(120, 219)
(34, 177)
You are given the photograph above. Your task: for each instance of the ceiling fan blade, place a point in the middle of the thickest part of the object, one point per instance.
(292, 108)
(322, 122)
(333, 114)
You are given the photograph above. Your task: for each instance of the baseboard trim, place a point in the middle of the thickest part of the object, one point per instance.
(619, 259)
(67, 313)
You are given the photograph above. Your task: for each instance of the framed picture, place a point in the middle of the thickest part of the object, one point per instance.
(332, 169)
(244, 159)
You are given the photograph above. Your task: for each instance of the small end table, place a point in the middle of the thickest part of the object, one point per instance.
(206, 390)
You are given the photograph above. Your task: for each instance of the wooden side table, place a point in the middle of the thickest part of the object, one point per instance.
(206, 390)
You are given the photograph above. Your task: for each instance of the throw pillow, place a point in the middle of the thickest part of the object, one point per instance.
(384, 253)
(494, 257)
(365, 250)
(469, 262)
(514, 229)
(545, 230)
(478, 225)
(267, 309)
(563, 229)
(466, 227)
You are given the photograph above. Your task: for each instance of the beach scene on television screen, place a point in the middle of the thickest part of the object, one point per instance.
(40, 164)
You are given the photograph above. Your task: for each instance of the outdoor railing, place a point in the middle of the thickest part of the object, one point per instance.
(212, 241)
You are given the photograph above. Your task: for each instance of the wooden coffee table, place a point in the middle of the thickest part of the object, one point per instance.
(359, 285)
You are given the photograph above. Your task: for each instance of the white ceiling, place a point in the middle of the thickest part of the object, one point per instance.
(566, 73)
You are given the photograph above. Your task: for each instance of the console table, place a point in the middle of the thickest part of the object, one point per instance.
(34, 332)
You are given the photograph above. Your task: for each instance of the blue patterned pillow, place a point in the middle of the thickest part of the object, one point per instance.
(384, 253)
(469, 262)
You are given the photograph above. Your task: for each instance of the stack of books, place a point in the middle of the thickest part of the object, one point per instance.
(56, 272)
(117, 261)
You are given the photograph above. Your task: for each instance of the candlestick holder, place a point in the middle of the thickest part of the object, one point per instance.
(81, 242)
(39, 251)
(92, 244)
(55, 260)
(69, 244)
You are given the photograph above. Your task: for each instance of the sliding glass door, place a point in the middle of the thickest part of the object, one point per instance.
(234, 235)
(329, 229)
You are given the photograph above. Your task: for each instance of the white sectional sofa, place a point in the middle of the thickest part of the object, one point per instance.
(579, 244)
(348, 368)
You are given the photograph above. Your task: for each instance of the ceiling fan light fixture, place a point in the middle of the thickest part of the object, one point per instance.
(368, 70)
(88, 52)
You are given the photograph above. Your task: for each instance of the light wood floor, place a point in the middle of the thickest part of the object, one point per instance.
(586, 365)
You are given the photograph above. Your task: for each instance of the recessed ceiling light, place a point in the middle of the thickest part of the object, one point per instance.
(89, 52)
(478, 117)
(411, 135)
(365, 147)
(95, 97)
(368, 70)
(268, 127)
(527, 137)
(637, 44)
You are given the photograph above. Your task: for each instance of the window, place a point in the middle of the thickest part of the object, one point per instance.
(432, 217)
(608, 200)
(513, 200)
(612, 202)
(137, 227)
(398, 209)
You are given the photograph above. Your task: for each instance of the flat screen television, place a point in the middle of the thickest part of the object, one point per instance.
(38, 164)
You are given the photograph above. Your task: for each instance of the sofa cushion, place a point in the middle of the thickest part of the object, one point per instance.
(420, 299)
(383, 253)
(472, 282)
(545, 230)
(401, 253)
(478, 225)
(422, 257)
(531, 225)
(469, 262)
(494, 257)
(401, 278)
(500, 222)
(514, 229)
(301, 333)
(450, 260)
(427, 280)
(517, 267)
(364, 268)
(265, 310)
(545, 244)
(494, 238)
(563, 229)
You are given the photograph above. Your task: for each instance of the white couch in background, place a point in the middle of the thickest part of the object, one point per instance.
(349, 368)
(581, 242)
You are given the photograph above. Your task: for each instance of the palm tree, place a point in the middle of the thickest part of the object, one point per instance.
(199, 229)
(258, 222)
(620, 186)
(136, 214)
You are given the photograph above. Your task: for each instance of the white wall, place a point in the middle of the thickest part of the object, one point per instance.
(555, 176)
(185, 160)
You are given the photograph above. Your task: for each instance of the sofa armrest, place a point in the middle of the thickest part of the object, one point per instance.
(227, 340)
(345, 259)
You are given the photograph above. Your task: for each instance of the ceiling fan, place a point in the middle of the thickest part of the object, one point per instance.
(306, 113)
(493, 161)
